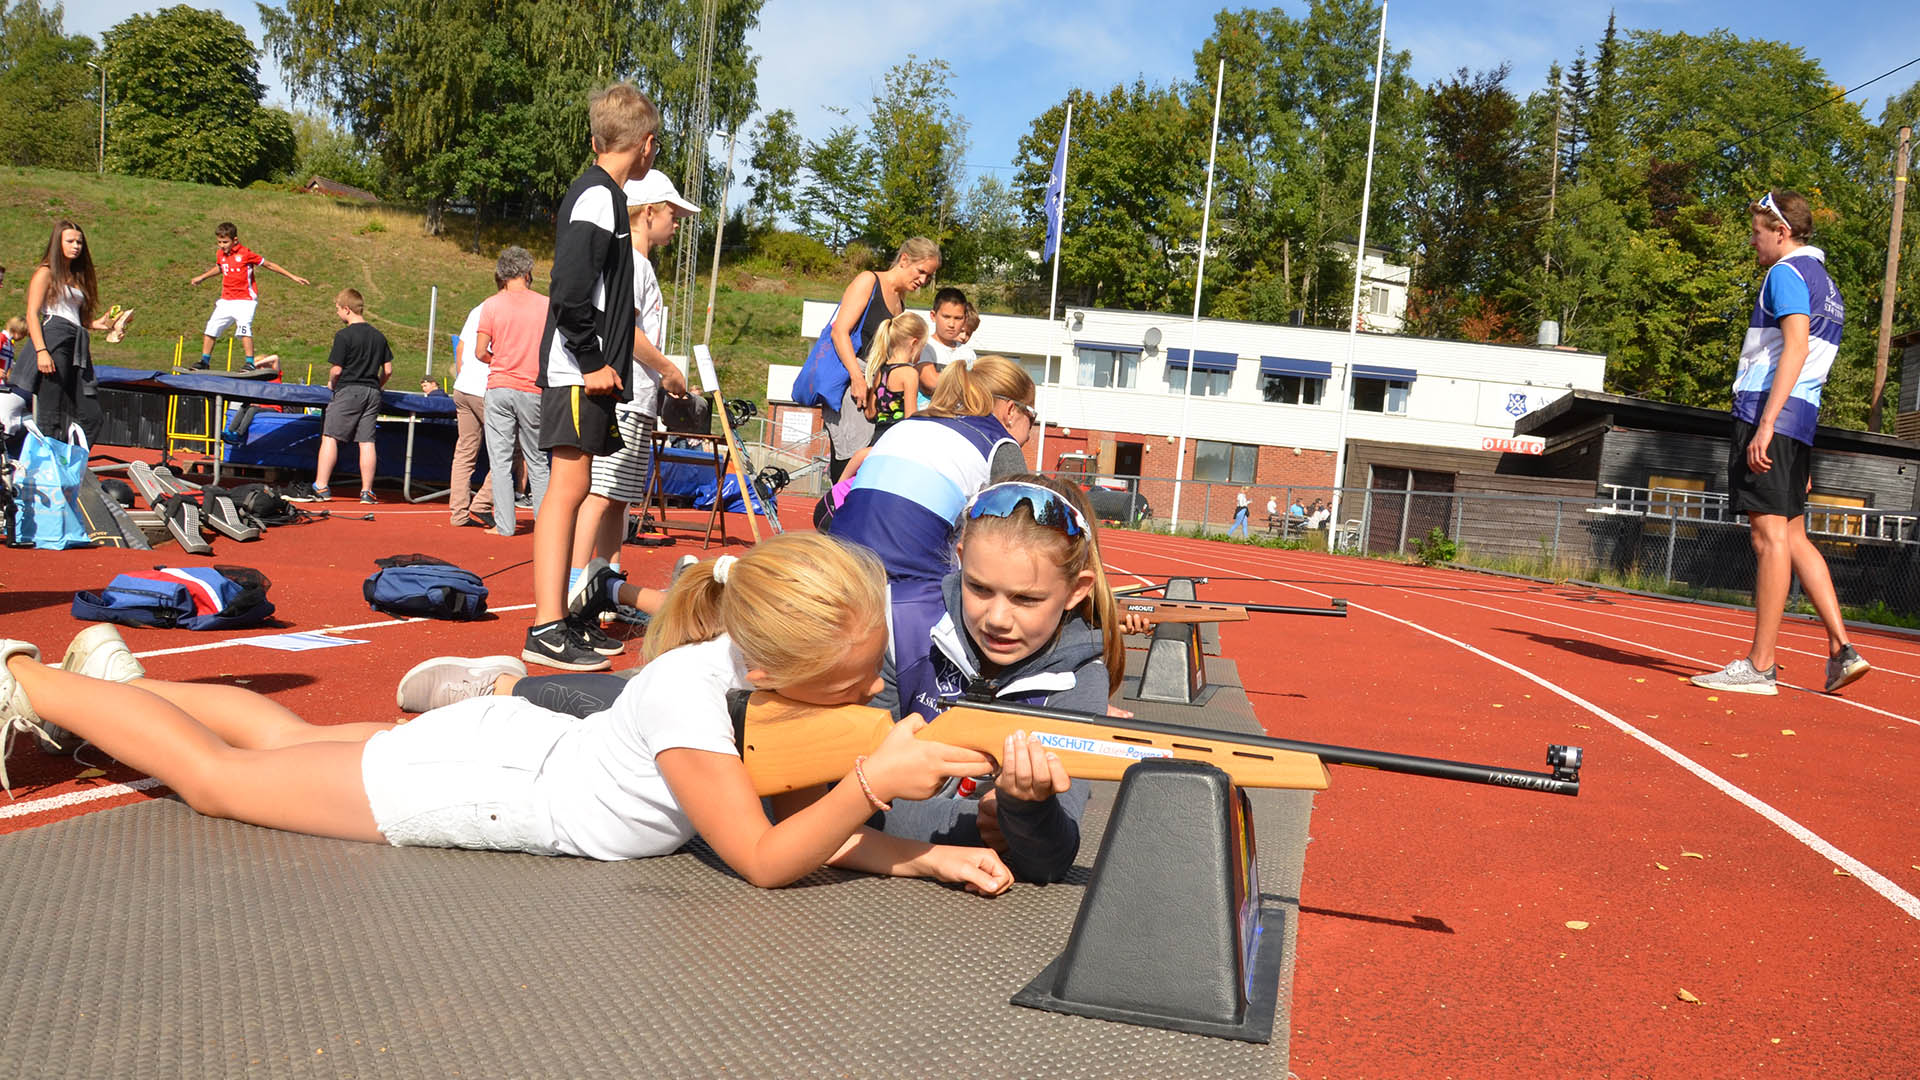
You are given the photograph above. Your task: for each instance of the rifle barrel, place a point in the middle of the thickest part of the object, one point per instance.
(1564, 780)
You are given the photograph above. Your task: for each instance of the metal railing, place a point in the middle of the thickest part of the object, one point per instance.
(1657, 537)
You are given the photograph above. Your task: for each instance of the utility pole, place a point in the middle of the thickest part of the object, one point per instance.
(1886, 287)
(1553, 180)
(102, 69)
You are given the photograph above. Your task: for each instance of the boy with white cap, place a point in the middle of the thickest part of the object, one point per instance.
(655, 209)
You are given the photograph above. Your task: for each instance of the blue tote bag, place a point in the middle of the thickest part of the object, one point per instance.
(47, 486)
(823, 379)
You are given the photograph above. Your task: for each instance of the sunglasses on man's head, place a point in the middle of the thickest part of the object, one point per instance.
(1048, 507)
(1766, 203)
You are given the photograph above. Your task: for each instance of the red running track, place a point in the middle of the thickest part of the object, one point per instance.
(1433, 940)
(1758, 853)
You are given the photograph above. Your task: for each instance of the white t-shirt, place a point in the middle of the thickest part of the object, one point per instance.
(601, 785)
(1273, 508)
(471, 375)
(1240, 501)
(940, 354)
(650, 320)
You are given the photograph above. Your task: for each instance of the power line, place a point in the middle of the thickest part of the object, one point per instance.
(1805, 112)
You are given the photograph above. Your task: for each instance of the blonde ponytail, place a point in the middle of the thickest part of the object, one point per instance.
(969, 389)
(903, 327)
(790, 603)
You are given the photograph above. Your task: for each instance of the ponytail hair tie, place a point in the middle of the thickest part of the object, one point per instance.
(723, 567)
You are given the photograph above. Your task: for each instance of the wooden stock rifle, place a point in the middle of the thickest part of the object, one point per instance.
(1157, 610)
(788, 746)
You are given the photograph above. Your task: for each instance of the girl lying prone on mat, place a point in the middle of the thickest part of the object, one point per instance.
(1028, 619)
(800, 614)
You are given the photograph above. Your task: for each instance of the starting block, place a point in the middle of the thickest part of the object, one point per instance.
(1176, 668)
(1173, 932)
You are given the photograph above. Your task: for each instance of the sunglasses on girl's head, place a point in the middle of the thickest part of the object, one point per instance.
(1032, 417)
(1049, 507)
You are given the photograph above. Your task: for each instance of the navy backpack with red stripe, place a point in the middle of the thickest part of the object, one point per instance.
(187, 597)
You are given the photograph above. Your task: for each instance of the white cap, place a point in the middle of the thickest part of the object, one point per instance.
(656, 188)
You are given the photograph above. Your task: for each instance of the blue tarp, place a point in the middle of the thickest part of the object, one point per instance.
(689, 473)
(276, 393)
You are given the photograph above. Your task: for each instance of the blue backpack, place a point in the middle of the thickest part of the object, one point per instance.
(187, 597)
(426, 586)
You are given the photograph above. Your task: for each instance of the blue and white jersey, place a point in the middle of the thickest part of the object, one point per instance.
(1796, 285)
(911, 489)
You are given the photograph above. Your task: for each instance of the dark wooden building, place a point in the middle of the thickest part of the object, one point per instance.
(1609, 439)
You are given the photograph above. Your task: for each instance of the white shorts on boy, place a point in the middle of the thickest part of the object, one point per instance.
(235, 313)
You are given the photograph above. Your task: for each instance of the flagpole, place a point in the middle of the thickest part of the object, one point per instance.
(1359, 268)
(1053, 298)
(1199, 278)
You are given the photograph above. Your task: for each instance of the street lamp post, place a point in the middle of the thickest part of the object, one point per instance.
(101, 68)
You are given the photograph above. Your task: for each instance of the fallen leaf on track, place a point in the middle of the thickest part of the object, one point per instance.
(1837, 872)
(1713, 697)
(1576, 924)
(1739, 755)
(90, 774)
(1786, 731)
(1686, 997)
(1661, 865)
(1691, 855)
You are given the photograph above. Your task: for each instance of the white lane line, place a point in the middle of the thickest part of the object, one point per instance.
(1705, 665)
(75, 798)
(229, 642)
(1738, 621)
(1814, 637)
(1872, 878)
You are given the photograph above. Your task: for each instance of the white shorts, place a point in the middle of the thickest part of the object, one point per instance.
(235, 313)
(622, 475)
(462, 776)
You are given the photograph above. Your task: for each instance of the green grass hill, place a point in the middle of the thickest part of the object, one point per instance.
(149, 237)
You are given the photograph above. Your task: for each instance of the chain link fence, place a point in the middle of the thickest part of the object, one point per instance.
(1652, 538)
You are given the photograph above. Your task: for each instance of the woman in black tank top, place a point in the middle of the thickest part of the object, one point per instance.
(871, 298)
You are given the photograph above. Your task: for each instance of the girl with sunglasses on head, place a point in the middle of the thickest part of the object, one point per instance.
(1026, 617)
(798, 614)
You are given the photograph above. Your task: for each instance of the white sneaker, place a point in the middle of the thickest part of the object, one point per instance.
(1740, 677)
(97, 652)
(444, 680)
(16, 712)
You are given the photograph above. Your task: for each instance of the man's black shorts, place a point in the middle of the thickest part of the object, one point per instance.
(1780, 490)
(569, 416)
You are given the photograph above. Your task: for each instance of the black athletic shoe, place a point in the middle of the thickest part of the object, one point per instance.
(306, 493)
(555, 645)
(479, 519)
(587, 632)
(588, 598)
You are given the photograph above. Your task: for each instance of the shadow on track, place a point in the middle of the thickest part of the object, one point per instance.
(1596, 651)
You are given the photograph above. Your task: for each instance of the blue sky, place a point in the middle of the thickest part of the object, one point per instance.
(1012, 59)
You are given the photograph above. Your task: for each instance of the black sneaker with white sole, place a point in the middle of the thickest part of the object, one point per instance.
(588, 632)
(555, 645)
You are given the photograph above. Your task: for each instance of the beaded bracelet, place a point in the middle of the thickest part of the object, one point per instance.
(860, 774)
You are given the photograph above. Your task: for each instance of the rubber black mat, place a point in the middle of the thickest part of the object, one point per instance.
(150, 941)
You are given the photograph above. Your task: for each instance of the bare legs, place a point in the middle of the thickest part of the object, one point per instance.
(328, 457)
(1781, 550)
(600, 530)
(228, 752)
(553, 531)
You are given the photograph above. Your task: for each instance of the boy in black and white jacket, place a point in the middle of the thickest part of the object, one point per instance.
(586, 358)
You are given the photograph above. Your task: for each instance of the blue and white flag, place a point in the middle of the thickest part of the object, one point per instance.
(1054, 204)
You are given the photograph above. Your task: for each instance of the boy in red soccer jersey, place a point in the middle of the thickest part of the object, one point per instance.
(238, 296)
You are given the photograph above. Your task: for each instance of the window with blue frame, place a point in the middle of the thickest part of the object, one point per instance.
(1108, 366)
(1382, 389)
(1212, 372)
(1287, 381)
